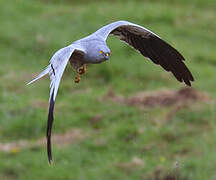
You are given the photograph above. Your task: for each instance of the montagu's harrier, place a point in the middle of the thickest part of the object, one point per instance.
(93, 49)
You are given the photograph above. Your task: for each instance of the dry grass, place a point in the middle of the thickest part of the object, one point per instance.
(70, 137)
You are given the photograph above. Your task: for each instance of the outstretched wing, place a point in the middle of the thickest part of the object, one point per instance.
(55, 70)
(149, 45)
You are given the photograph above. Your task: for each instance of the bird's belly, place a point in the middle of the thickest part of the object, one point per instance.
(76, 62)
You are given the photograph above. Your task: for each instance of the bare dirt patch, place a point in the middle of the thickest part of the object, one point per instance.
(164, 97)
(69, 137)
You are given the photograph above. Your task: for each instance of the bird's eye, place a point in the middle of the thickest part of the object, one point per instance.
(101, 52)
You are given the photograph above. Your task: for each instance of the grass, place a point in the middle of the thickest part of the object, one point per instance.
(31, 31)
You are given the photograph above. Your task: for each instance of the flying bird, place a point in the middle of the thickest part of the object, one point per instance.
(93, 50)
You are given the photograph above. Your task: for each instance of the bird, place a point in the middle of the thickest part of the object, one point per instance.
(93, 49)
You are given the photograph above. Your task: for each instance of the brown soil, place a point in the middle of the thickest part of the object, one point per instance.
(183, 96)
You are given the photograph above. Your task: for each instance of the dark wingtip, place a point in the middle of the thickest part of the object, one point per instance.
(188, 77)
(49, 150)
(192, 78)
(187, 82)
(49, 128)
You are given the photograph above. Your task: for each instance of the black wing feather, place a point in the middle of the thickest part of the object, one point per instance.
(156, 49)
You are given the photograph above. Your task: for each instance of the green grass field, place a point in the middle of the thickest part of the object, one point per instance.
(107, 139)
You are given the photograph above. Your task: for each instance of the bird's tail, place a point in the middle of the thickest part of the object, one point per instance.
(43, 73)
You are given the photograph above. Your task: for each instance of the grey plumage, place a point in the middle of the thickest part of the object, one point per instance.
(93, 49)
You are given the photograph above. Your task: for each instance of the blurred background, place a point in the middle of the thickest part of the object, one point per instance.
(127, 118)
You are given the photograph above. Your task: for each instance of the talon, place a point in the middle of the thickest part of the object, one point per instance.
(77, 78)
(82, 69)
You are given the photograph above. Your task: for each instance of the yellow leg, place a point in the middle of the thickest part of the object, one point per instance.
(77, 78)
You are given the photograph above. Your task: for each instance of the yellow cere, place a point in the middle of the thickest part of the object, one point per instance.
(101, 52)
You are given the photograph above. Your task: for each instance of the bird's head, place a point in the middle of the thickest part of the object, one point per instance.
(104, 54)
(98, 54)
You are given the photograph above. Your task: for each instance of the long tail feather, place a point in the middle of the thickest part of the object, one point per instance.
(43, 73)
